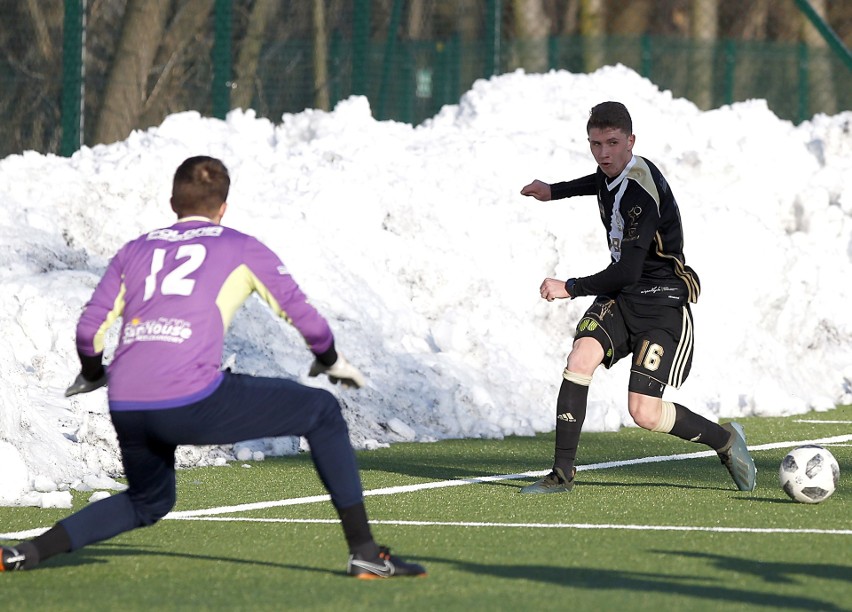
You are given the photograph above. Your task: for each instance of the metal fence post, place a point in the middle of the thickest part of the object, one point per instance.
(221, 57)
(803, 69)
(647, 56)
(73, 73)
(360, 47)
(730, 68)
(493, 35)
(388, 60)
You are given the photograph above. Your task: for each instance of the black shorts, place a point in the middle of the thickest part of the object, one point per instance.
(660, 338)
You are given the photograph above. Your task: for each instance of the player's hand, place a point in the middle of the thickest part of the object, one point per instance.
(81, 385)
(537, 189)
(553, 288)
(341, 372)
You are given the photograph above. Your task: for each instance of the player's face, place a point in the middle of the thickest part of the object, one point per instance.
(612, 149)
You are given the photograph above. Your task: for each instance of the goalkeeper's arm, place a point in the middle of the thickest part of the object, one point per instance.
(334, 365)
(92, 375)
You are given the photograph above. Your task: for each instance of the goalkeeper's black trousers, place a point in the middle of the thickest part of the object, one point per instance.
(241, 408)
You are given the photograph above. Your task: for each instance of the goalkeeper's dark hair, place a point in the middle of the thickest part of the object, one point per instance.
(200, 186)
(610, 115)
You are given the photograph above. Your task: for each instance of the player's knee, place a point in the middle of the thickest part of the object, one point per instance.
(644, 418)
(150, 511)
(327, 408)
(326, 402)
(645, 400)
(644, 410)
(585, 356)
(154, 512)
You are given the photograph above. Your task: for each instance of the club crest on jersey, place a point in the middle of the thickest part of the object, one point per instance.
(633, 227)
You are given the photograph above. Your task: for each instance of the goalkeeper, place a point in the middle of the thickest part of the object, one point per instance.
(177, 290)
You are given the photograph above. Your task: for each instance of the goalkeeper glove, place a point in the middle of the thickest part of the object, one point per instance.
(341, 372)
(81, 385)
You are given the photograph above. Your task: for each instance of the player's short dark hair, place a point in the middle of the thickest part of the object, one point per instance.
(200, 186)
(610, 115)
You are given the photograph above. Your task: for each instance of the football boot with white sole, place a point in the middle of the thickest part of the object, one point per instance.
(555, 482)
(385, 565)
(735, 457)
(11, 560)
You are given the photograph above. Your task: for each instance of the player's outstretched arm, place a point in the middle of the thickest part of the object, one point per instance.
(537, 189)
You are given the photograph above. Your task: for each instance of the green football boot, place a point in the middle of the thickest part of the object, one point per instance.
(555, 482)
(735, 457)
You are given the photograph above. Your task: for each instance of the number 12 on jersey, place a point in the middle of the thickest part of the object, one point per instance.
(176, 281)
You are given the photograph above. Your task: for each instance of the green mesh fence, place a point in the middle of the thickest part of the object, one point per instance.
(422, 76)
(409, 57)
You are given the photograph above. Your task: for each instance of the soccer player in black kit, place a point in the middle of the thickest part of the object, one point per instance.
(641, 308)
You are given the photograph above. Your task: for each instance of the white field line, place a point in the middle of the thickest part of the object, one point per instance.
(823, 422)
(210, 512)
(23, 535)
(465, 481)
(531, 525)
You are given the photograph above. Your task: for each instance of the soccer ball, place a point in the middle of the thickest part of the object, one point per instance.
(809, 474)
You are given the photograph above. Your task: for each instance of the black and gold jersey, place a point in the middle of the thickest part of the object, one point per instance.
(644, 232)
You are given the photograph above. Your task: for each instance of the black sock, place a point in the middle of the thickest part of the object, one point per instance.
(695, 428)
(570, 414)
(30, 552)
(41, 548)
(356, 530)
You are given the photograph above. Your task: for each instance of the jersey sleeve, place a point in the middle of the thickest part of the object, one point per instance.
(616, 276)
(274, 284)
(586, 185)
(101, 311)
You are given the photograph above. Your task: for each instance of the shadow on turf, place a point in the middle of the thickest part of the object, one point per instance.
(768, 500)
(781, 573)
(438, 470)
(446, 465)
(442, 472)
(617, 483)
(431, 467)
(637, 582)
(101, 553)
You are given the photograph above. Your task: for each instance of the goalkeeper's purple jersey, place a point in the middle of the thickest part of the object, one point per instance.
(177, 290)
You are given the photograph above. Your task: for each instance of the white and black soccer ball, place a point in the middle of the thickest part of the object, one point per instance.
(809, 474)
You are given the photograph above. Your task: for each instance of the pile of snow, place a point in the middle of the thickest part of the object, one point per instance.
(416, 245)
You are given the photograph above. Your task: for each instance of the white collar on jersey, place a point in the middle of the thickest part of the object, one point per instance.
(617, 180)
(195, 218)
